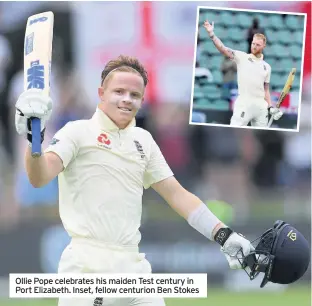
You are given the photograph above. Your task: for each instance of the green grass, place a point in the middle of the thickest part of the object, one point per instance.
(295, 296)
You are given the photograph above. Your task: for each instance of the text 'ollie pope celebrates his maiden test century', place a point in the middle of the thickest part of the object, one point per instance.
(102, 165)
(253, 104)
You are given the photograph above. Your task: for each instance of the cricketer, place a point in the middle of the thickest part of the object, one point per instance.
(103, 164)
(253, 104)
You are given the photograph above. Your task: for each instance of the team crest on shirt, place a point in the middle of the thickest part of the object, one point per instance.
(264, 67)
(139, 148)
(104, 141)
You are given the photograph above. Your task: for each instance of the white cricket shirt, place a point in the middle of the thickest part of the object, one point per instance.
(252, 73)
(106, 168)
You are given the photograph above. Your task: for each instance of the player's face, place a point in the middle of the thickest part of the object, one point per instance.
(257, 46)
(122, 96)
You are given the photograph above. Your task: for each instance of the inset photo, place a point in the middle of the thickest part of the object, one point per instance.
(248, 69)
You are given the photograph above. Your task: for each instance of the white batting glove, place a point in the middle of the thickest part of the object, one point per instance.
(275, 112)
(234, 246)
(32, 103)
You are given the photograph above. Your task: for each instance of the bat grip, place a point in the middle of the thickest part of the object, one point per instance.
(36, 137)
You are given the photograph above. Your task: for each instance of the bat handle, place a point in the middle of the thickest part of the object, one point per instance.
(36, 137)
(270, 121)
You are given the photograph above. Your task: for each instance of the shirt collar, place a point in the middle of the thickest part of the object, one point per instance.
(105, 123)
(256, 58)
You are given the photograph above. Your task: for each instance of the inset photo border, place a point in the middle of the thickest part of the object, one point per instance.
(237, 82)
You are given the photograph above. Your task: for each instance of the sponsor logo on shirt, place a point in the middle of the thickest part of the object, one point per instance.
(264, 67)
(54, 141)
(104, 141)
(250, 59)
(139, 148)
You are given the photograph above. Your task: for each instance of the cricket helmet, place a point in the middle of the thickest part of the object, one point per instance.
(282, 253)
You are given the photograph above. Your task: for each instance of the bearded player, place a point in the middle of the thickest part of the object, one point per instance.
(253, 104)
(103, 164)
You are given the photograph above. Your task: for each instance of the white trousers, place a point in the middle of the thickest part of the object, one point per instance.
(248, 109)
(88, 256)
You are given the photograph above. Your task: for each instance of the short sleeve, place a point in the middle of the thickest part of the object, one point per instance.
(157, 168)
(238, 56)
(64, 144)
(268, 76)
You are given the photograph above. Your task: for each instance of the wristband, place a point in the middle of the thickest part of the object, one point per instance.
(203, 220)
(222, 235)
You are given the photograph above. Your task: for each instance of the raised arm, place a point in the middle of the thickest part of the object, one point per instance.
(41, 170)
(35, 103)
(217, 42)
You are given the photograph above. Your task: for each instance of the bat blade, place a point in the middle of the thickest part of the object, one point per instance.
(287, 87)
(285, 91)
(37, 64)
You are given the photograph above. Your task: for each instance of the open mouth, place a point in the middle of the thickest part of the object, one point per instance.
(125, 109)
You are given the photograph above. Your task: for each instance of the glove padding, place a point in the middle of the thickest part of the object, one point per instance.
(32, 103)
(234, 248)
(275, 112)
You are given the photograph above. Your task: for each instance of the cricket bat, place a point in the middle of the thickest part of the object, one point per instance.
(285, 91)
(37, 64)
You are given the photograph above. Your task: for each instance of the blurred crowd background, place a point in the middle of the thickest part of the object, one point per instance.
(248, 178)
(215, 85)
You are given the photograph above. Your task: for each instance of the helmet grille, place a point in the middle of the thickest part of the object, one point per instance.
(266, 242)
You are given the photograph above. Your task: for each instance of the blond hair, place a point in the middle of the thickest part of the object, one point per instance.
(260, 36)
(124, 64)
